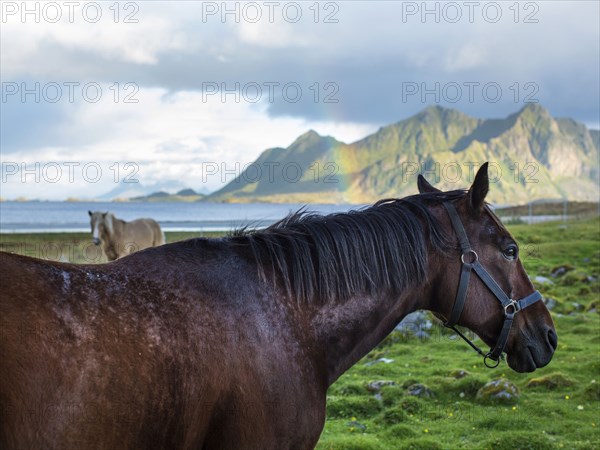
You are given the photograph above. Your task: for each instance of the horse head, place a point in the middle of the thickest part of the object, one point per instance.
(481, 283)
(101, 223)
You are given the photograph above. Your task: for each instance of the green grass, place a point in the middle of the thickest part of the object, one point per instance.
(579, 209)
(72, 247)
(558, 407)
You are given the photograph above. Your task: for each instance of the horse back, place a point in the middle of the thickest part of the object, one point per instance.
(161, 336)
(145, 232)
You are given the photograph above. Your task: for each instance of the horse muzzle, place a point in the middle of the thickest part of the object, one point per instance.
(533, 354)
(96, 241)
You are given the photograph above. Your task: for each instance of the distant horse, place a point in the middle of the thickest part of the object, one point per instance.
(232, 343)
(120, 238)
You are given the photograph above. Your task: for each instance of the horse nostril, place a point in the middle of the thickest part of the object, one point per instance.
(552, 338)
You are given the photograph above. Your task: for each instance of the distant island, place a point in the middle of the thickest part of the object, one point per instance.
(184, 195)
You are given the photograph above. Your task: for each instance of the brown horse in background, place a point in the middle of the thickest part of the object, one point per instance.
(232, 343)
(120, 238)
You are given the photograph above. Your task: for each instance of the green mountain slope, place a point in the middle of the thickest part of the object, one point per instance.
(532, 155)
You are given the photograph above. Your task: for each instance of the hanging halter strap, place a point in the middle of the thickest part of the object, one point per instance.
(470, 262)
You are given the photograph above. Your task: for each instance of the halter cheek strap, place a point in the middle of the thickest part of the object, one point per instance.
(470, 262)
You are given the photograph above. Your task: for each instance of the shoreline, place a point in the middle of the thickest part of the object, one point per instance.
(224, 226)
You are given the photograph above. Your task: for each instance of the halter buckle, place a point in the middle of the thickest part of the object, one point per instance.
(515, 308)
(469, 252)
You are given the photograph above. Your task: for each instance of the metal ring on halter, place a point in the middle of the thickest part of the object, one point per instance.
(475, 256)
(515, 306)
(485, 359)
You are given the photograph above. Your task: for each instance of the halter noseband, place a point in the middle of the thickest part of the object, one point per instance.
(470, 261)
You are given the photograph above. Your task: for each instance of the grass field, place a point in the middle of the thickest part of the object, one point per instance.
(558, 407)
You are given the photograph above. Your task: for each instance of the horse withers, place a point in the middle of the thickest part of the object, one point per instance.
(232, 343)
(120, 238)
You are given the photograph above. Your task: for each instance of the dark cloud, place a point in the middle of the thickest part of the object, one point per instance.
(376, 66)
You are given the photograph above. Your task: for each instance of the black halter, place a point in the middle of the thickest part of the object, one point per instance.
(470, 261)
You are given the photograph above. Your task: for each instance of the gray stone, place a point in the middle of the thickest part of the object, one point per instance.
(419, 390)
(355, 424)
(375, 386)
(498, 391)
(383, 360)
(560, 271)
(459, 373)
(542, 280)
(415, 324)
(549, 302)
(423, 335)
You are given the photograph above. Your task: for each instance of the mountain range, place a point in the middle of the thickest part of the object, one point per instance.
(532, 156)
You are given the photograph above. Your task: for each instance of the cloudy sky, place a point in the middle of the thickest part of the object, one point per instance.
(177, 87)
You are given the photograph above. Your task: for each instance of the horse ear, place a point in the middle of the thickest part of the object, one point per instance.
(90, 213)
(424, 185)
(104, 214)
(480, 188)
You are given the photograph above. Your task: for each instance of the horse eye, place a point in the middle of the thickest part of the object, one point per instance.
(510, 252)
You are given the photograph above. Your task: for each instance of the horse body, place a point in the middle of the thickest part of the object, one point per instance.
(116, 359)
(120, 238)
(233, 343)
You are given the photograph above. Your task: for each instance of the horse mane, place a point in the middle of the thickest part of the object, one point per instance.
(365, 251)
(108, 222)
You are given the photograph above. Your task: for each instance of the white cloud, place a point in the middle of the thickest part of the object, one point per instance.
(171, 132)
(467, 57)
(137, 43)
(169, 137)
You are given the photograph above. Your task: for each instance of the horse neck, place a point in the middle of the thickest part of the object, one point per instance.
(112, 241)
(348, 330)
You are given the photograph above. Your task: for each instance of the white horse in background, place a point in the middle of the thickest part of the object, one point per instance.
(120, 238)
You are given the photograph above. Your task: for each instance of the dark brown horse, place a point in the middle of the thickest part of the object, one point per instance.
(232, 343)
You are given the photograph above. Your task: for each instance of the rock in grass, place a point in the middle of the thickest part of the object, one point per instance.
(419, 390)
(415, 324)
(375, 386)
(355, 425)
(577, 306)
(422, 335)
(542, 280)
(459, 373)
(561, 270)
(498, 391)
(550, 381)
(549, 302)
(383, 360)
